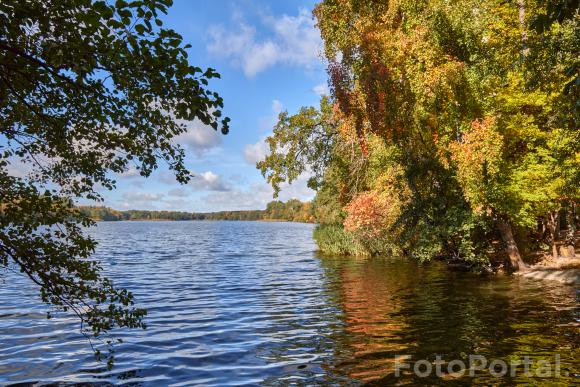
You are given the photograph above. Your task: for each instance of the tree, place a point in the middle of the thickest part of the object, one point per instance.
(300, 142)
(474, 105)
(87, 88)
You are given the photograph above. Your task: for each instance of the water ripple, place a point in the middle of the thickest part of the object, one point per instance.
(250, 303)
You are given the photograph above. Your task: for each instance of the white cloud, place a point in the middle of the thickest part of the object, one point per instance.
(253, 153)
(208, 181)
(130, 172)
(142, 196)
(178, 192)
(199, 138)
(215, 195)
(204, 181)
(276, 107)
(256, 196)
(253, 198)
(321, 89)
(177, 204)
(258, 151)
(297, 190)
(267, 123)
(167, 177)
(141, 200)
(293, 40)
(18, 168)
(27, 167)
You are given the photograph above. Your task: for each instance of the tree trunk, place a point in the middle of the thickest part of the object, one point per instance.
(554, 227)
(570, 240)
(515, 259)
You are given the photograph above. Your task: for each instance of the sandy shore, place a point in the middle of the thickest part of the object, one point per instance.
(565, 276)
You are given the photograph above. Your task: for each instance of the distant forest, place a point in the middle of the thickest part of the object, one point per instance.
(292, 211)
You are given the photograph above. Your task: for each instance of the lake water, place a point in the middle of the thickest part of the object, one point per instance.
(251, 303)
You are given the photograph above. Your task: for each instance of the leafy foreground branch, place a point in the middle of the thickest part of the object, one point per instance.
(86, 88)
(451, 131)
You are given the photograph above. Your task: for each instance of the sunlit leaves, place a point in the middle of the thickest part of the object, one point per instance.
(300, 143)
(479, 156)
(477, 105)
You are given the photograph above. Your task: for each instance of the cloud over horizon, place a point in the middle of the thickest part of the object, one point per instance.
(208, 181)
(140, 200)
(257, 195)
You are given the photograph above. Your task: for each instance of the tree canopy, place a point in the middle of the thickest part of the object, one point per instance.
(87, 88)
(465, 117)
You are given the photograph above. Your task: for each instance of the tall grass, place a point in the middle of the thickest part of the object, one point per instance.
(332, 239)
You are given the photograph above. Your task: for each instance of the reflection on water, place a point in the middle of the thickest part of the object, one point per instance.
(396, 308)
(251, 303)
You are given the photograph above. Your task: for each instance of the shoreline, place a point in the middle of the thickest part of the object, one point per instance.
(200, 220)
(565, 270)
(564, 276)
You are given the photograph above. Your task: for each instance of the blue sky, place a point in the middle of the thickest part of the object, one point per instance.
(269, 58)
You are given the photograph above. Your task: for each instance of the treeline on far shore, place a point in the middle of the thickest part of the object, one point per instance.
(292, 211)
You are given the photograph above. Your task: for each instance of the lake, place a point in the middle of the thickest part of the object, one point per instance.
(251, 303)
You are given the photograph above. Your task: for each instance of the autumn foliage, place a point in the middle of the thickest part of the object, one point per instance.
(455, 127)
(477, 156)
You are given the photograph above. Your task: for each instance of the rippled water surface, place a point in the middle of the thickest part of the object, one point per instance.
(251, 303)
